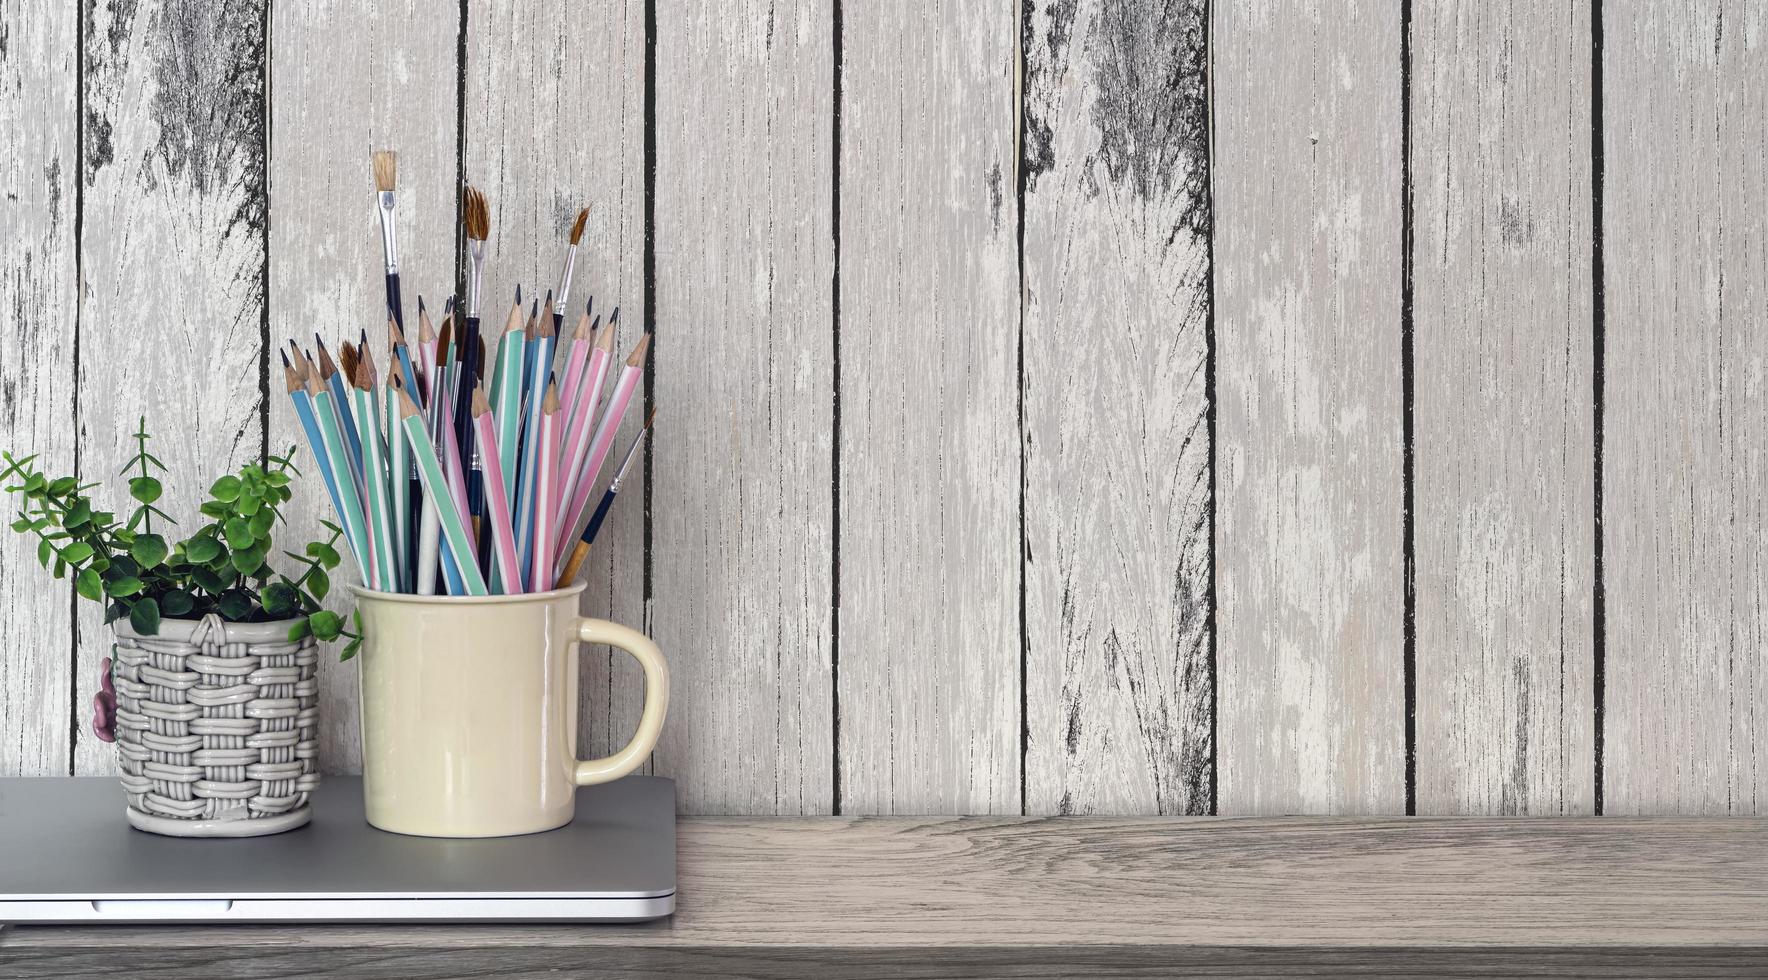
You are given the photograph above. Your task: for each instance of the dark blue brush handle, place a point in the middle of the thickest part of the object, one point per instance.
(601, 513)
(394, 305)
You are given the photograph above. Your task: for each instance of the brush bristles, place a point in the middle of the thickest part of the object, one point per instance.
(577, 228)
(476, 213)
(386, 169)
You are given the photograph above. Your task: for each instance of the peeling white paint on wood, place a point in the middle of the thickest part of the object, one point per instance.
(930, 537)
(1685, 447)
(1309, 470)
(38, 92)
(1117, 451)
(1504, 451)
(173, 259)
(744, 365)
(325, 244)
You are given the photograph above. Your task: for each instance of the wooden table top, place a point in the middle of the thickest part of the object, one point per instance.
(954, 896)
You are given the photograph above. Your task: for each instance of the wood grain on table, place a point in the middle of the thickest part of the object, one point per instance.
(968, 897)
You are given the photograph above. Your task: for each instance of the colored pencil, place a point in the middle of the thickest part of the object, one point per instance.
(546, 485)
(328, 372)
(630, 376)
(581, 549)
(350, 514)
(435, 485)
(575, 361)
(502, 533)
(379, 509)
(581, 428)
(310, 426)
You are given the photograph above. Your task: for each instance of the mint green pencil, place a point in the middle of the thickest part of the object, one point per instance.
(429, 470)
(374, 481)
(331, 434)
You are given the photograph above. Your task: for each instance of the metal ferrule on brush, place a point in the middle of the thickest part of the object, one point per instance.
(476, 262)
(389, 232)
(564, 291)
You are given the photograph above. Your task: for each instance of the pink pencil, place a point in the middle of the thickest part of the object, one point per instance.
(580, 343)
(580, 417)
(546, 493)
(604, 441)
(497, 503)
(456, 473)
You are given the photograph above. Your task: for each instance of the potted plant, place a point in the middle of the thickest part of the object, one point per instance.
(211, 696)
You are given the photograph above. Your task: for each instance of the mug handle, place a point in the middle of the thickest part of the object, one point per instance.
(650, 724)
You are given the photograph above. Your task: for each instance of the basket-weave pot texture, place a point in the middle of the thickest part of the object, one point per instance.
(217, 727)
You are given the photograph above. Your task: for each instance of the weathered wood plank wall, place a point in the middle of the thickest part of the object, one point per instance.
(1309, 473)
(1076, 406)
(39, 238)
(1685, 435)
(1116, 407)
(1504, 451)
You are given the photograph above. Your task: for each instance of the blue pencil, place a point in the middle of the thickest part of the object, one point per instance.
(315, 442)
(334, 382)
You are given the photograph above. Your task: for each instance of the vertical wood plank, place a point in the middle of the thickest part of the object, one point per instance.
(38, 104)
(1308, 365)
(1504, 408)
(346, 81)
(741, 547)
(555, 122)
(1685, 435)
(173, 257)
(1116, 294)
(930, 468)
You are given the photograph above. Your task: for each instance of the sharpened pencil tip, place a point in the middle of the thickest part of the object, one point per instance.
(284, 355)
(589, 307)
(420, 304)
(614, 317)
(518, 294)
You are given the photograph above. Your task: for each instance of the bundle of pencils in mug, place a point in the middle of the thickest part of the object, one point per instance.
(443, 480)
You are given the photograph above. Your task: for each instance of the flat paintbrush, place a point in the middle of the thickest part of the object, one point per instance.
(386, 173)
(477, 217)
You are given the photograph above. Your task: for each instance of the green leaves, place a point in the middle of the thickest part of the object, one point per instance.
(325, 553)
(326, 625)
(144, 616)
(281, 600)
(226, 489)
(77, 514)
(89, 585)
(235, 605)
(76, 553)
(123, 586)
(202, 549)
(148, 550)
(177, 603)
(239, 533)
(145, 489)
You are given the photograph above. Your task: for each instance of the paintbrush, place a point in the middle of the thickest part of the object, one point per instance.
(581, 549)
(386, 173)
(477, 217)
(562, 295)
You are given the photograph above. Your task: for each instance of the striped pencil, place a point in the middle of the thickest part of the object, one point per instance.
(436, 486)
(400, 476)
(575, 361)
(328, 372)
(581, 425)
(497, 502)
(546, 487)
(581, 550)
(539, 367)
(630, 376)
(310, 426)
(332, 436)
(379, 507)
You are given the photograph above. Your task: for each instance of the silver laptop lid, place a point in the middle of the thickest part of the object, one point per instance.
(64, 841)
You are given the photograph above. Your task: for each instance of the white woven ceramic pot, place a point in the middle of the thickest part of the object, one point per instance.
(217, 727)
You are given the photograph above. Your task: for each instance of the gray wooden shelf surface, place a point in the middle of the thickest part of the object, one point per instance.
(973, 897)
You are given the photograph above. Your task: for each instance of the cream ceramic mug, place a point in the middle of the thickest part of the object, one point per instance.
(469, 711)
